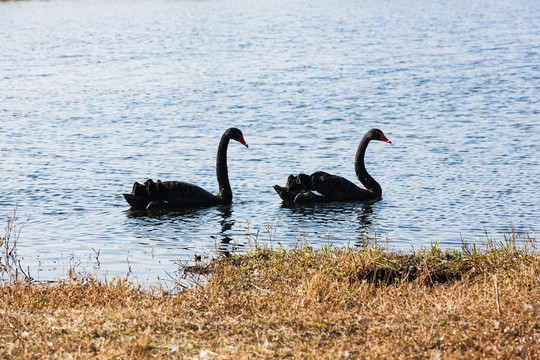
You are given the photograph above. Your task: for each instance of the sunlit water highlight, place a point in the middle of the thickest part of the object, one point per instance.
(97, 95)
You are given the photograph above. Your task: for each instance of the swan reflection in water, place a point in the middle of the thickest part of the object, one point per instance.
(178, 225)
(225, 236)
(334, 216)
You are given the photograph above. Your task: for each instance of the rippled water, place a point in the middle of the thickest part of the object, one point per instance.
(97, 95)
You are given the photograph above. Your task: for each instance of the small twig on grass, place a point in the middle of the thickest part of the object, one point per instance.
(11, 265)
(260, 288)
(497, 294)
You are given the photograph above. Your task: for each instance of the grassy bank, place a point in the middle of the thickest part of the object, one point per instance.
(335, 302)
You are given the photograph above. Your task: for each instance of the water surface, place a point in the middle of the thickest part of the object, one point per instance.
(97, 95)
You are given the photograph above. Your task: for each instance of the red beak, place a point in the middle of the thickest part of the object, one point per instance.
(385, 139)
(243, 142)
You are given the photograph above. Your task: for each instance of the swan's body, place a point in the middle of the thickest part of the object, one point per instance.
(300, 189)
(177, 194)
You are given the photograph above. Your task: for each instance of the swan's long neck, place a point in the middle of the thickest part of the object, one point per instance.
(222, 173)
(366, 179)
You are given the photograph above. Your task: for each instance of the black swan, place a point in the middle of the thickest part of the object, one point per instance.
(299, 189)
(177, 194)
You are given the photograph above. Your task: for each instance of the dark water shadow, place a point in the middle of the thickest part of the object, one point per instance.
(365, 215)
(167, 213)
(355, 216)
(227, 222)
(181, 224)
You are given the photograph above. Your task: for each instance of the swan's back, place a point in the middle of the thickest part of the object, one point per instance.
(337, 188)
(169, 194)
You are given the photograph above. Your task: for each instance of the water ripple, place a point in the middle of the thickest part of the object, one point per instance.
(90, 106)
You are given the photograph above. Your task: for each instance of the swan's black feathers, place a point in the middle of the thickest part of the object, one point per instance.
(301, 189)
(178, 194)
(335, 187)
(169, 194)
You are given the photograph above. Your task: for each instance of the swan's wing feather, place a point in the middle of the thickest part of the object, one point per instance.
(168, 194)
(138, 202)
(334, 187)
(300, 188)
(286, 194)
(175, 191)
(294, 186)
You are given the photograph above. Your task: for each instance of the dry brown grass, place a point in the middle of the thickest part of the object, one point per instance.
(302, 303)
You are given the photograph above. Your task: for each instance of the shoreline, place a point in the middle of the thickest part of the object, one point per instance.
(333, 302)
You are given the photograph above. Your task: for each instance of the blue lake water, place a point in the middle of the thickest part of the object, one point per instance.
(95, 95)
